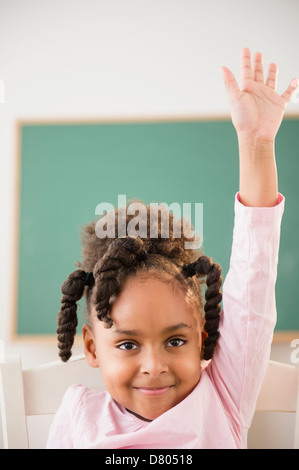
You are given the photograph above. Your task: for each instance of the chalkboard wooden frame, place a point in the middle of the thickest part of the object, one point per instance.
(223, 137)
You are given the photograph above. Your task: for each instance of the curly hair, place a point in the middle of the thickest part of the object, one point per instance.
(108, 262)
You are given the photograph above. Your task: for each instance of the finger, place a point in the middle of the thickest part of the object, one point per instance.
(230, 82)
(272, 76)
(290, 90)
(246, 71)
(258, 67)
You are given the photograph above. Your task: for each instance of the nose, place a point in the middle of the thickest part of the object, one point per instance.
(153, 363)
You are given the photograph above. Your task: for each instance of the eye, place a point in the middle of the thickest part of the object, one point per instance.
(176, 342)
(127, 346)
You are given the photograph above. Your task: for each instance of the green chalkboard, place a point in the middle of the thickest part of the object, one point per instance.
(67, 169)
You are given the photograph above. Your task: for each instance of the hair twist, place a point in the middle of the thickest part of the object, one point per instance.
(213, 295)
(72, 290)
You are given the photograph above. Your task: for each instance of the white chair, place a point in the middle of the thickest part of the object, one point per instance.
(280, 393)
(39, 390)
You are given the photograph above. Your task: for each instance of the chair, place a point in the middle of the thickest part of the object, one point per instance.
(39, 390)
(280, 393)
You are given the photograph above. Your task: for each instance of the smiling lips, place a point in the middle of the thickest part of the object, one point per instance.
(153, 391)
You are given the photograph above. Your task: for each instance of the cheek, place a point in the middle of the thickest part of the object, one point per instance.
(188, 365)
(116, 371)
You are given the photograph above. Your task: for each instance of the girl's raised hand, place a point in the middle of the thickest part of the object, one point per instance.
(256, 108)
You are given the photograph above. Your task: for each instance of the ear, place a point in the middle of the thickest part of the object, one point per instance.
(89, 346)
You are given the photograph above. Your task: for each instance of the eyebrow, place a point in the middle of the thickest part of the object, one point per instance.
(169, 329)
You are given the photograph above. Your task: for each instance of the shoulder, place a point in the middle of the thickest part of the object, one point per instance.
(78, 398)
(77, 395)
(78, 402)
(72, 395)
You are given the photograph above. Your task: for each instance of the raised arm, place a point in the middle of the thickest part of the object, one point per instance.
(257, 111)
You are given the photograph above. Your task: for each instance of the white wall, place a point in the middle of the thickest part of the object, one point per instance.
(82, 59)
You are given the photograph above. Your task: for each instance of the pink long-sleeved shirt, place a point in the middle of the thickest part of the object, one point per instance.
(219, 411)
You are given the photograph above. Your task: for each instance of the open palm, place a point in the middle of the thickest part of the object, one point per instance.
(256, 109)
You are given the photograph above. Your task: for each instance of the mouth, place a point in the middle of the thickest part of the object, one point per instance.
(154, 391)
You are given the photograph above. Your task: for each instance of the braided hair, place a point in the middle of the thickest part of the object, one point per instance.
(108, 262)
(72, 290)
(205, 266)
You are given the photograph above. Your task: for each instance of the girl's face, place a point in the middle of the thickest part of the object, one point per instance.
(150, 357)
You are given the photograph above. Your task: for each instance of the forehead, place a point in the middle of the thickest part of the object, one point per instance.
(147, 302)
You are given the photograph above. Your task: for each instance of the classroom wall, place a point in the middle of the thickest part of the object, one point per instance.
(123, 58)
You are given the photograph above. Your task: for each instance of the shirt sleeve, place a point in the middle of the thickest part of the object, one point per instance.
(60, 434)
(249, 310)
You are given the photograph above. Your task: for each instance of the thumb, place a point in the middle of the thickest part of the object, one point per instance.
(230, 83)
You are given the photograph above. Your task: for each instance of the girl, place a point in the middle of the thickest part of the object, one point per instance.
(149, 330)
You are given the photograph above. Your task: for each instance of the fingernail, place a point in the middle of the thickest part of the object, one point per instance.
(295, 83)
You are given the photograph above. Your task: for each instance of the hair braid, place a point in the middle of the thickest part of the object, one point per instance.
(72, 290)
(213, 295)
